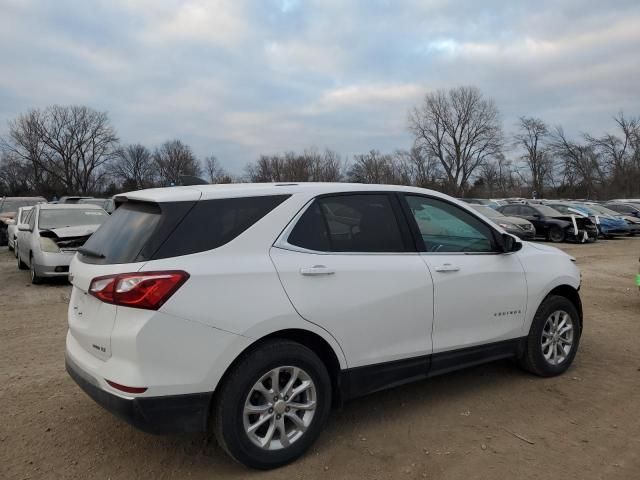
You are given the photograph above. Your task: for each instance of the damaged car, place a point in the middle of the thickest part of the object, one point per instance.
(8, 208)
(51, 235)
(553, 225)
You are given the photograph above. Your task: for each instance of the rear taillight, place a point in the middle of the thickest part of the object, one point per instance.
(148, 290)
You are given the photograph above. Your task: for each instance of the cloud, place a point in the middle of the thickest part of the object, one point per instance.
(238, 78)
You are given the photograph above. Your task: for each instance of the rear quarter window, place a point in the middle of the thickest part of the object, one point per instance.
(141, 231)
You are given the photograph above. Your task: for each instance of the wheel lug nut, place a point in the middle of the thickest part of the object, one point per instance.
(286, 398)
(286, 409)
(278, 417)
(271, 410)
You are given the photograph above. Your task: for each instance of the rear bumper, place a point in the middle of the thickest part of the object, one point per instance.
(165, 414)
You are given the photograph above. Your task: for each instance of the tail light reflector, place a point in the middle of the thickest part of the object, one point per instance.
(148, 290)
(124, 388)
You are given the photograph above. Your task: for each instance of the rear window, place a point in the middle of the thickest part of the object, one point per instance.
(61, 218)
(141, 231)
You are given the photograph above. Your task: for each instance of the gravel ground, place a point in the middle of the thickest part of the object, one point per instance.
(488, 422)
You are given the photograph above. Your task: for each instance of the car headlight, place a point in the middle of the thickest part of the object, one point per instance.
(48, 245)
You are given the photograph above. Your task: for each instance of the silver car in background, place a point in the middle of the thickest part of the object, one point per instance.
(12, 229)
(51, 234)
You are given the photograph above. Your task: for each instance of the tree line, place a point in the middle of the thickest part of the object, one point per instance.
(459, 147)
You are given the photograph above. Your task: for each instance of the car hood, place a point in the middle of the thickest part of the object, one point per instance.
(612, 222)
(79, 231)
(546, 248)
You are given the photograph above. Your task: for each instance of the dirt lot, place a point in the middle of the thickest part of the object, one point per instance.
(488, 422)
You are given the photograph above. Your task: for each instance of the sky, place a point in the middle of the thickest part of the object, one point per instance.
(237, 78)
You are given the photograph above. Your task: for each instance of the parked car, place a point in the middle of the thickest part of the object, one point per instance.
(632, 222)
(520, 227)
(70, 199)
(12, 228)
(107, 204)
(608, 227)
(628, 209)
(253, 308)
(51, 235)
(553, 225)
(8, 209)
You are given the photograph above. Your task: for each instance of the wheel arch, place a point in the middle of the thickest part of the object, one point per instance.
(571, 294)
(309, 339)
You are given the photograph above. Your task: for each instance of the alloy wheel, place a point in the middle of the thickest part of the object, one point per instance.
(279, 408)
(557, 337)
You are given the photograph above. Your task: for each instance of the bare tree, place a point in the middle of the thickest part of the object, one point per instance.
(175, 159)
(134, 167)
(532, 137)
(215, 172)
(620, 155)
(77, 142)
(461, 129)
(582, 170)
(309, 166)
(374, 167)
(418, 168)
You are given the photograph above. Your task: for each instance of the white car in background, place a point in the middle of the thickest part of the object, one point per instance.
(50, 236)
(12, 229)
(251, 309)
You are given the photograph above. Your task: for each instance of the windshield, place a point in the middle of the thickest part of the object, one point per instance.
(584, 209)
(603, 210)
(547, 211)
(93, 201)
(487, 211)
(60, 218)
(10, 205)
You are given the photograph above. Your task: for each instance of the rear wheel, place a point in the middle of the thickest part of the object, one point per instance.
(272, 405)
(553, 339)
(557, 235)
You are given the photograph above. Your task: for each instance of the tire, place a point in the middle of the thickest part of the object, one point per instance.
(21, 264)
(10, 247)
(557, 235)
(230, 423)
(533, 358)
(35, 279)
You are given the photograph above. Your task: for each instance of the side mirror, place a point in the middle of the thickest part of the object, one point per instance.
(510, 243)
(24, 227)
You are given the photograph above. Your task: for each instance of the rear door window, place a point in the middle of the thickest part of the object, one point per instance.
(141, 231)
(349, 223)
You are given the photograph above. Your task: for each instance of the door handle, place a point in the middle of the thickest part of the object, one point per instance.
(447, 267)
(316, 270)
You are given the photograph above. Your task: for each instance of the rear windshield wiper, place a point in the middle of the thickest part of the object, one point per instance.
(90, 253)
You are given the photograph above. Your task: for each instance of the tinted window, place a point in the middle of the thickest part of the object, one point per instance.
(547, 211)
(212, 223)
(620, 208)
(510, 210)
(311, 230)
(60, 218)
(140, 231)
(447, 228)
(349, 223)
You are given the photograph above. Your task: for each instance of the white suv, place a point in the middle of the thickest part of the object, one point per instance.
(251, 309)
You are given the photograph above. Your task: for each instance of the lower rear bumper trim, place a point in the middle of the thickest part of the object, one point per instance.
(159, 415)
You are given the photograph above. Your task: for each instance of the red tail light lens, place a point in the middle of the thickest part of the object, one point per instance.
(148, 290)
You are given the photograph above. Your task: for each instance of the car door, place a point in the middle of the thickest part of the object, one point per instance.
(531, 214)
(480, 294)
(349, 265)
(24, 237)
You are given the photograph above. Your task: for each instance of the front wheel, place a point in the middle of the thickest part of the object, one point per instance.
(557, 235)
(272, 405)
(21, 264)
(35, 278)
(553, 339)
